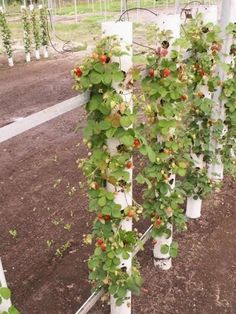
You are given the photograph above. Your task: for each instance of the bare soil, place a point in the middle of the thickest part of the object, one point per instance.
(37, 171)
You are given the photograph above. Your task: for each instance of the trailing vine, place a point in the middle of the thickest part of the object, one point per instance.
(108, 117)
(36, 28)
(164, 140)
(229, 98)
(203, 126)
(44, 26)
(6, 34)
(27, 29)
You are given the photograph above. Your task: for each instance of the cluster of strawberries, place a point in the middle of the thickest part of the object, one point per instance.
(102, 58)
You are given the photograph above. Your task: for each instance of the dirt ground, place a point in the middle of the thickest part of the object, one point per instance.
(37, 172)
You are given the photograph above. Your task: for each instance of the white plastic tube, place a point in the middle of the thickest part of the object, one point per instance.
(37, 54)
(124, 31)
(45, 51)
(27, 57)
(10, 62)
(193, 208)
(163, 261)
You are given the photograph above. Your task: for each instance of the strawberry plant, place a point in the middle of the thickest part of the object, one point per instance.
(6, 34)
(36, 28)
(44, 26)
(204, 128)
(27, 29)
(229, 98)
(163, 140)
(108, 117)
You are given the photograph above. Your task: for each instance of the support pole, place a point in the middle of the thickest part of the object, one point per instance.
(228, 15)
(124, 31)
(4, 306)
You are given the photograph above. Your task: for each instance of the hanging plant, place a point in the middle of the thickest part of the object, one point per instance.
(44, 26)
(36, 31)
(204, 128)
(108, 117)
(27, 30)
(229, 99)
(164, 141)
(6, 34)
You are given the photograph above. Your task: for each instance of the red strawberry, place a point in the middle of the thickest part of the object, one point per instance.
(166, 72)
(99, 242)
(103, 247)
(103, 59)
(137, 143)
(184, 97)
(78, 72)
(158, 222)
(100, 216)
(129, 165)
(131, 213)
(107, 217)
(151, 72)
(201, 72)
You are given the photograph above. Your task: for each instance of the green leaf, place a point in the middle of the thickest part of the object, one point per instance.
(151, 154)
(127, 140)
(13, 310)
(105, 125)
(85, 82)
(164, 188)
(118, 76)
(102, 201)
(165, 249)
(116, 213)
(5, 293)
(107, 78)
(182, 172)
(125, 121)
(95, 77)
(98, 67)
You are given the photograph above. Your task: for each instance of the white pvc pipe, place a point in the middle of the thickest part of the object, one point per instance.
(4, 306)
(123, 30)
(27, 57)
(45, 51)
(193, 209)
(170, 22)
(163, 261)
(37, 54)
(209, 13)
(10, 62)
